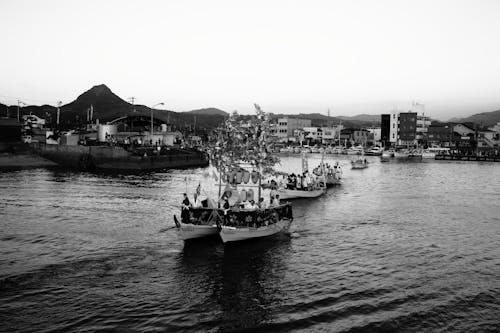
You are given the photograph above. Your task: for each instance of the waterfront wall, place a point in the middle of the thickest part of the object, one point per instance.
(115, 158)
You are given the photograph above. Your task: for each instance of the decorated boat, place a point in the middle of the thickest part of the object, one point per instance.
(241, 157)
(243, 225)
(305, 185)
(332, 174)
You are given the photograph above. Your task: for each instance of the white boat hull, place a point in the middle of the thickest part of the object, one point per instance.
(232, 234)
(386, 155)
(296, 194)
(332, 180)
(401, 155)
(428, 155)
(359, 164)
(191, 231)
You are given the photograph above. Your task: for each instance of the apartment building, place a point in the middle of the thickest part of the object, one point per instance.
(286, 127)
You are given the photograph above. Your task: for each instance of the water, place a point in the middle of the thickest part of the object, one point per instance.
(399, 247)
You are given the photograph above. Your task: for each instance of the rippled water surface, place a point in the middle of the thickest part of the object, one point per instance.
(398, 247)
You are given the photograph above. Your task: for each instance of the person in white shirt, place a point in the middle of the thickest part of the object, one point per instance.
(196, 202)
(252, 205)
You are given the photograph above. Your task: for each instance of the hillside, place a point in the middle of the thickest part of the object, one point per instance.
(318, 119)
(372, 118)
(208, 112)
(108, 106)
(486, 119)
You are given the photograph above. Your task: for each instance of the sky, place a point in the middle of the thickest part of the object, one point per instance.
(289, 56)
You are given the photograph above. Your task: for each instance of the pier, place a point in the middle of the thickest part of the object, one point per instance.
(463, 157)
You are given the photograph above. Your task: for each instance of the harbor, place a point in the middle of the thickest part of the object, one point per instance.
(250, 166)
(393, 241)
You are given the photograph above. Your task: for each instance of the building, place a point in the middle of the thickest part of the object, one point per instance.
(362, 137)
(440, 135)
(407, 128)
(10, 130)
(423, 123)
(33, 121)
(404, 128)
(376, 133)
(313, 135)
(286, 126)
(385, 130)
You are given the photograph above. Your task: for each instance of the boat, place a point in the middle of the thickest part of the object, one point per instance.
(360, 163)
(388, 154)
(287, 194)
(333, 175)
(375, 151)
(286, 150)
(316, 185)
(251, 224)
(188, 231)
(415, 154)
(315, 150)
(431, 152)
(401, 154)
(241, 157)
(426, 154)
(355, 150)
(337, 150)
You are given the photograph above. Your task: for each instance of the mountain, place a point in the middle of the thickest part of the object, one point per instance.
(107, 106)
(372, 118)
(318, 119)
(209, 112)
(486, 119)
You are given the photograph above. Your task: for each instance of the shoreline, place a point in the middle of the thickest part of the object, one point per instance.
(23, 160)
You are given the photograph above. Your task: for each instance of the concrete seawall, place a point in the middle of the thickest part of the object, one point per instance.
(116, 158)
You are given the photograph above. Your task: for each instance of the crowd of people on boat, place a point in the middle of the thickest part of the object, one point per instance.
(329, 170)
(255, 214)
(304, 182)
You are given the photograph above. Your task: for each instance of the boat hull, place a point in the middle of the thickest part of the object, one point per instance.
(401, 155)
(297, 194)
(191, 231)
(428, 155)
(232, 234)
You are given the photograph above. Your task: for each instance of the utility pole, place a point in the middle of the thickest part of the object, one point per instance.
(18, 107)
(58, 112)
(132, 101)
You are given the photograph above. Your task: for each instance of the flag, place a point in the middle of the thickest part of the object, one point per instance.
(305, 166)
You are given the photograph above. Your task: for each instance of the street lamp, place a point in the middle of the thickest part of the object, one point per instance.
(18, 106)
(161, 103)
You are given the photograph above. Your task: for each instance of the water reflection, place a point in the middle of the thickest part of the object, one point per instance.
(251, 278)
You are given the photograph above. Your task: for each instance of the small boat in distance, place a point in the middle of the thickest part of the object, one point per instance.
(360, 163)
(401, 154)
(375, 151)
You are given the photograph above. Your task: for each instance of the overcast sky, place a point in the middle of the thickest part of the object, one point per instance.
(289, 56)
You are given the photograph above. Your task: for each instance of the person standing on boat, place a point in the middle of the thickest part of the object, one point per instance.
(252, 205)
(185, 209)
(273, 193)
(225, 208)
(196, 201)
(306, 181)
(262, 204)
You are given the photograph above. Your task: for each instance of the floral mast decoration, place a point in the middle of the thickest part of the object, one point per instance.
(244, 139)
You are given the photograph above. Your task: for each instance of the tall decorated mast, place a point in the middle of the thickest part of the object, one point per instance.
(244, 139)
